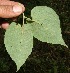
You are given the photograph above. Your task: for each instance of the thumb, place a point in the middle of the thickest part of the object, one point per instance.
(9, 11)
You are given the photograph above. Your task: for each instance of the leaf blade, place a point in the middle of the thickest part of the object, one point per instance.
(49, 20)
(19, 43)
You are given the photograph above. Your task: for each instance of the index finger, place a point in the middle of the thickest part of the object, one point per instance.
(8, 2)
(4, 0)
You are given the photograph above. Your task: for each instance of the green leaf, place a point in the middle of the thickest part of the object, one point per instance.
(38, 31)
(19, 43)
(49, 29)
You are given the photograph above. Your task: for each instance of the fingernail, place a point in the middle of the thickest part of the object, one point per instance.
(17, 8)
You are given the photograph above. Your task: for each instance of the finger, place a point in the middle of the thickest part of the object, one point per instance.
(8, 2)
(8, 11)
(5, 25)
(4, 0)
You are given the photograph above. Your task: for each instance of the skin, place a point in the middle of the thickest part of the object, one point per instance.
(6, 11)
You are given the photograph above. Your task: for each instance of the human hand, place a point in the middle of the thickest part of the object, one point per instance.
(10, 9)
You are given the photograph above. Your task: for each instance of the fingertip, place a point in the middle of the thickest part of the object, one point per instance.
(23, 7)
(9, 11)
(5, 25)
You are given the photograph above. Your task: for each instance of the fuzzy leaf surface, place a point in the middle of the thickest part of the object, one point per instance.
(19, 43)
(50, 23)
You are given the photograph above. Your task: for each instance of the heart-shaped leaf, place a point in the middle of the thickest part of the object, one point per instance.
(49, 29)
(19, 43)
